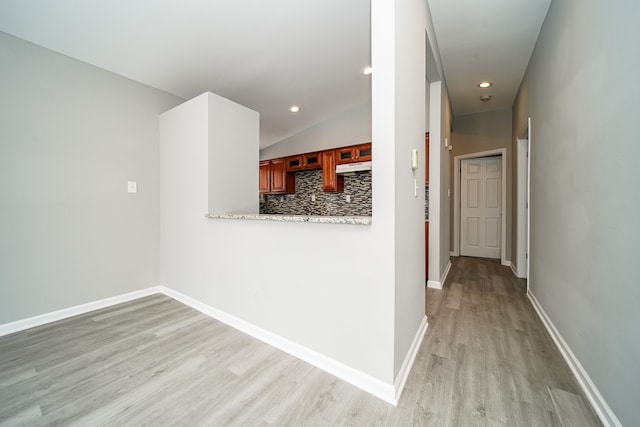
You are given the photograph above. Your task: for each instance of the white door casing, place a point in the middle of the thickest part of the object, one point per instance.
(481, 207)
(456, 194)
(523, 175)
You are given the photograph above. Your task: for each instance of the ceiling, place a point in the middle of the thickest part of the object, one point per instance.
(485, 40)
(266, 55)
(269, 55)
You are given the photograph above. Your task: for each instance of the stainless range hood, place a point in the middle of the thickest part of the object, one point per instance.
(353, 167)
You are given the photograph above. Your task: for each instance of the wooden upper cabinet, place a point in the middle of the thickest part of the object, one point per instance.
(302, 162)
(331, 181)
(281, 181)
(353, 154)
(294, 163)
(265, 177)
(426, 156)
(277, 176)
(274, 178)
(312, 160)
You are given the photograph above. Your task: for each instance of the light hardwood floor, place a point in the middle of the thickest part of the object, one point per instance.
(486, 360)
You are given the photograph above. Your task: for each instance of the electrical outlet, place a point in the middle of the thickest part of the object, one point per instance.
(132, 187)
(313, 197)
(348, 198)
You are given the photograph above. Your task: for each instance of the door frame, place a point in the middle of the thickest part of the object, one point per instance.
(523, 177)
(523, 237)
(456, 194)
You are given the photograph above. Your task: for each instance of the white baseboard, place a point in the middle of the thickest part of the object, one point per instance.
(514, 269)
(443, 279)
(434, 284)
(407, 364)
(388, 392)
(353, 376)
(606, 415)
(451, 253)
(54, 316)
(506, 263)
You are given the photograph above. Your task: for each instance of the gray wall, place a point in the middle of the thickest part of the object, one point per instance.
(71, 136)
(581, 90)
(479, 132)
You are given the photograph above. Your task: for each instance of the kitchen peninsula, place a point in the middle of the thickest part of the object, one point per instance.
(360, 220)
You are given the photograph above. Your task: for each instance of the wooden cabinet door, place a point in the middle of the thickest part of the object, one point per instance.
(331, 181)
(353, 154)
(345, 155)
(295, 163)
(304, 162)
(265, 177)
(363, 153)
(278, 174)
(281, 181)
(312, 161)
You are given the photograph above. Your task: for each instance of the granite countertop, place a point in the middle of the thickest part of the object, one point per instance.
(360, 220)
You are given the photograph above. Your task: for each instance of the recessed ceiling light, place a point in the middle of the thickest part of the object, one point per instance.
(485, 84)
(367, 70)
(485, 98)
(294, 108)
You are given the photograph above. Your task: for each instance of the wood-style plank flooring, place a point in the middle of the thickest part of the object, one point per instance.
(486, 360)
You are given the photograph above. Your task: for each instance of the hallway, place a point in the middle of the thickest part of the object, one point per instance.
(489, 360)
(485, 361)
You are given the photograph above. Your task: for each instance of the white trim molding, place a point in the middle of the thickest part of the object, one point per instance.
(407, 364)
(433, 284)
(514, 270)
(390, 393)
(522, 203)
(602, 409)
(456, 199)
(54, 316)
(372, 385)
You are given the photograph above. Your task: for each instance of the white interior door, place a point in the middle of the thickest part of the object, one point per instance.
(481, 207)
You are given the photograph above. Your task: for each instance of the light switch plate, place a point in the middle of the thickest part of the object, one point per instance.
(348, 198)
(132, 187)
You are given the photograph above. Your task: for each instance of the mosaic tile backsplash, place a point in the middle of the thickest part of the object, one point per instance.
(426, 203)
(309, 183)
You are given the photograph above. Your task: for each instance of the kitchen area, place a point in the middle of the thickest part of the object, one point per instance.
(331, 183)
(329, 186)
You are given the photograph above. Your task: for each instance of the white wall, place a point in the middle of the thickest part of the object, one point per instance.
(427, 98)
(439, 125)
(71, 136)
(325, 287)
(408, 121)
(353, 294)
(349, 127)
(581, 91)
(439, 184)
(234, 138)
